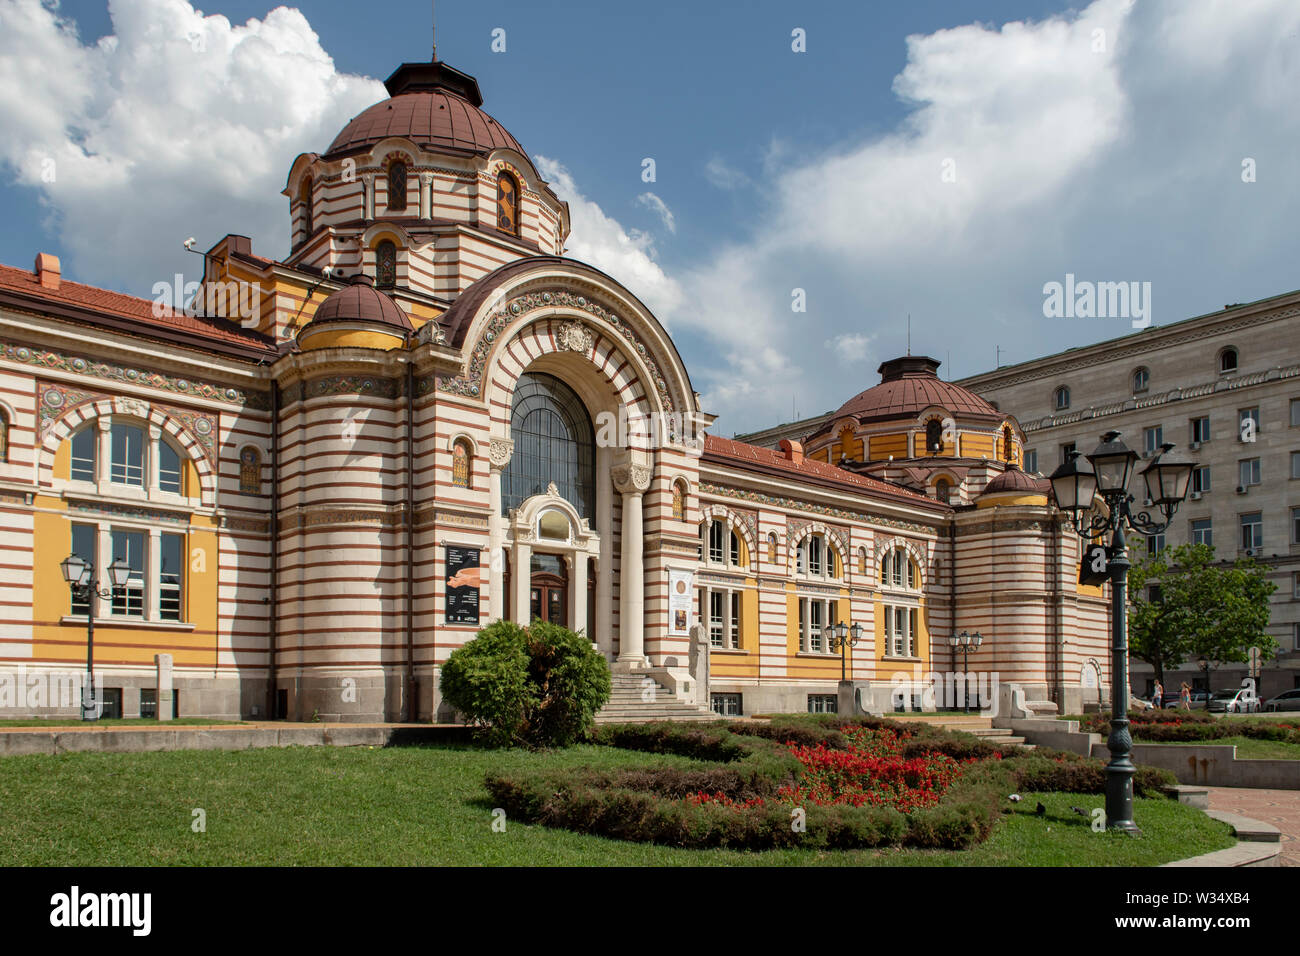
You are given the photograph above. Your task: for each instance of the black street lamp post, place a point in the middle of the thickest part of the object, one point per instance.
(80, 575)
(1075, 485)
(966, 642)
(844, 636)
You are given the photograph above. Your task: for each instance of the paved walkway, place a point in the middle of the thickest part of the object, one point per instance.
(1278, 807)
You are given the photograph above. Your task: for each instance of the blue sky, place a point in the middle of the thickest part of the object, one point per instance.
(821, 171)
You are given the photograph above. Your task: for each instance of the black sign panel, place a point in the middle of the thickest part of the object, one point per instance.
(463, 577)
(1095, 566)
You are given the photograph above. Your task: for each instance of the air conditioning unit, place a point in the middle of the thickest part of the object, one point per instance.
(1241, 489)
(1196, 495)
(1194, 445)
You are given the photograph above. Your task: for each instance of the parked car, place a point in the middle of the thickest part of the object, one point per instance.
(1289, 700)
(1234, 700)
(1198, 696)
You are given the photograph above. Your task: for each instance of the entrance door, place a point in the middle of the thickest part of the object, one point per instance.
(549, 591)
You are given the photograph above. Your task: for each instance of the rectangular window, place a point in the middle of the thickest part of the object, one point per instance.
(1248, 472)
(1201, 429)
(128, 547)
(127, 444)
(170, 577)
(148, 703)
(111, 700)
(1154, 594)
(726, 705)
(1247, 432)
(1295, 464)
(83, 454)
(815, 555)
(84, 537)
(169, 468)
(1031, 460)
(1295, 585)
(734, 624)
(716, 532)
(1202, 532)
(1295, 525)
(1295, 413)
(1155, 544)
(1201, 479)
(900, 631)
(1152, 438)
(816, 619)
(716, 628)
(1252, 530)
(823, 704)
(1066, 451)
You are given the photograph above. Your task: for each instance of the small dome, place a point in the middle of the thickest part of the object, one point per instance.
(434, 106)
(1015, 481)
(909, 385)
(362, 302)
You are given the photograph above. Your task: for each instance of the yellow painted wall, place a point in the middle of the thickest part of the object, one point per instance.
(975, 446)
(882, 446)
(63, 460)
(350, 338)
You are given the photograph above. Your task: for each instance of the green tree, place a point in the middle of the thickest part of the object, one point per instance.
(1202, 608)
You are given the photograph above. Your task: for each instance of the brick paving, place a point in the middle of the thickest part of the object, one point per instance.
(1278, 807)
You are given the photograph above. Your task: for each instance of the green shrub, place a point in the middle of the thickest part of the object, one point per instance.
(539, 686)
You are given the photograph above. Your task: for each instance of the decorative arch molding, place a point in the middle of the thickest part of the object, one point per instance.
(523, 522)
(886, 545)
(475, 446)
(198, 452)
(522, 293)
(834, 537)
(734, 522)
(377, 232)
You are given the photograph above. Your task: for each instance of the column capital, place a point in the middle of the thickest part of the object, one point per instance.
(631, 479)
(500, 451)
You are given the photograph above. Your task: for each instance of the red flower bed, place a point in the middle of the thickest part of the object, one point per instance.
(871, 772)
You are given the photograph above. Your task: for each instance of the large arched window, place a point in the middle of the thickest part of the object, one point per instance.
(386, 264)
(304, 196)
(397, 186)
(554, 442)
(1008, 444)
(507, 203)
(460, 464)
(679, 500)
(4, 436)
(934, 436)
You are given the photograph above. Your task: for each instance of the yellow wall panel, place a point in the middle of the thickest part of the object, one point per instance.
(882, 446)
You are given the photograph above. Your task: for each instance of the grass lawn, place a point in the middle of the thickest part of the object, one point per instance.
(127, 722)
(428, 806)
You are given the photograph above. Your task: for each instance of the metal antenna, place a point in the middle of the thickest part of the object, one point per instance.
(433, 27)
(909, 333)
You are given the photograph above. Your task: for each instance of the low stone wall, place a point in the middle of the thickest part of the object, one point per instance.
(25, 740)
(1213, 765)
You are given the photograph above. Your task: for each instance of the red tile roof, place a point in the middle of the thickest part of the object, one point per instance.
(87, 303)
(770, 461)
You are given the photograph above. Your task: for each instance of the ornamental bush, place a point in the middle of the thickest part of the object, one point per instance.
(539, 686)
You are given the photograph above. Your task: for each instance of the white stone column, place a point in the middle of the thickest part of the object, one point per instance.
(163, 695)
(522, 580)
(578, 585)
(104, 455)
(426, 195)
(499, 453)
(604, 624)
(151, 463)
(632, 482)
(152, 577)
(368, 197)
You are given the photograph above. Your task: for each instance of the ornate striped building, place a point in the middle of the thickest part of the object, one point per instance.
(329, 471)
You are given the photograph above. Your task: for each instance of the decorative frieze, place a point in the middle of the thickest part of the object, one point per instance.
(54, 400)
(107, 371)
(367, 385)
(776, 501)
(137, 512)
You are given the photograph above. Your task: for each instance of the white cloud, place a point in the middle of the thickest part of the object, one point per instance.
(176, 125)
(659, 208)
(850, 347)
(627, 255)
(724, 176)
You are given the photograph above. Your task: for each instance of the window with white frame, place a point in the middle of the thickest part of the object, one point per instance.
(1031, 460)
(901, 630)
(721, 544)
(898, 570)
(1295, 464)
(1201, 429)
(1248, 472)
(130, 450)
(815, 615)
(815, 557)
(1201, 479)
(1252, 530)
(823, 704)
(1153, 438)
(154, 589)
(128, 548)
(1248, 423)
(1202, 531)
(1295, 413)
(720, 608)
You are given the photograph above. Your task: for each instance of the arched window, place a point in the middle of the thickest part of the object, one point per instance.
(1141, 378)
(816, 558)
(460, 464)
(4, 436)
(250, 471)
(397, 186)
(1008, 444)
(943, 490)
(934, 436)
(126, 445)
(1062, 399)
(679, 501)
(1228, 360)
(386, 264)
(554, 442)
(507, 203)
(720, 544)
(897, 570)
(170, 474)
(304, 197)
(862, 560)
(771, 547)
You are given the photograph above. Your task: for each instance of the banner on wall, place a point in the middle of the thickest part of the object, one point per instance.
(681, 602)
(463, 579)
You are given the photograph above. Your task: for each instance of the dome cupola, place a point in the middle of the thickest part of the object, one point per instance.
(357, 316)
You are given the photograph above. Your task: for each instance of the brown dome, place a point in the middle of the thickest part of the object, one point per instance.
(362, 302)
(434, 106)
(909, 385)
(1015, 481)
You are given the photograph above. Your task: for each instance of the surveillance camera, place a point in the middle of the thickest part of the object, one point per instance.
(189, 243)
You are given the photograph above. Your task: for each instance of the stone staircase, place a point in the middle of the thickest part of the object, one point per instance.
(627, 703)
(981, 727)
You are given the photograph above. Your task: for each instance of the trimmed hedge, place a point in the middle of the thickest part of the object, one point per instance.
(749, 761)
(1185, 727)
